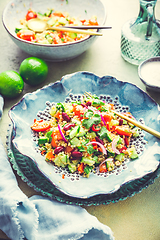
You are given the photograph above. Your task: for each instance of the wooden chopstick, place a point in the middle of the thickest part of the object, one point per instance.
(67, 29)
(138, 124)
(134, 122)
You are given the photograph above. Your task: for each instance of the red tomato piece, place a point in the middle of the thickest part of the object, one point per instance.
(107, 117)
(28, 35)
(103, 168)
(30, 14)
(40, 126)
(122, 131)
(58, 14)
(127, 140)
(93, 22)
(50, 156)
(78, 110)
(81, 168)
(123, 149)
(83, 21)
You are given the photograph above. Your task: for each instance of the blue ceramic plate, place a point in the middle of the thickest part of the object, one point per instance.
(125, 96)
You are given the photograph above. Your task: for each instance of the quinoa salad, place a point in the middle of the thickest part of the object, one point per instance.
(56, 19)
(86, 136)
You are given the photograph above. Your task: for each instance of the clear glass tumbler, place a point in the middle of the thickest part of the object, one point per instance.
(140, 37)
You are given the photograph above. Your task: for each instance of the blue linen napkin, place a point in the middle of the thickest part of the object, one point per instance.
(38, 217)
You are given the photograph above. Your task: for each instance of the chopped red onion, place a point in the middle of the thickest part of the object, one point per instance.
(107, 159)
(103, 119)
(103, 148)
(62, 133)
(114, 143)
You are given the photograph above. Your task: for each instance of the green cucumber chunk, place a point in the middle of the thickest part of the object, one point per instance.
(74, 131)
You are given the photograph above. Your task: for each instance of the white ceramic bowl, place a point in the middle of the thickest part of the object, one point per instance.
(17, 9)
(149, 73)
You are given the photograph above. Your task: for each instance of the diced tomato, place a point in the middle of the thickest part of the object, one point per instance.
(43, 152)
(57, 135)
(123, 149)
(63, 176)
(100, 149)
(71, 22)
(103, 168)
(55, 40)
(112, 106)
(93, 22)
(78, 110)
(122, 131)
(30, 14)
(57, 115)
(81, 168)
(127, 140)
(107, 117)
(40, 126)
(108, 126)
(58, 14)
(50, 155)
(19, 34)
(53, 142)
(28, 35)
(83, 21)
(60, 35)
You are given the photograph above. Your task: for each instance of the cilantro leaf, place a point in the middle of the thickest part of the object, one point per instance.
(87, 123)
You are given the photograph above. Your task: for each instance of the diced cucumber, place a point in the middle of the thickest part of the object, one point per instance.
(87, 161)
(61, 160)
(75, 141)
(51, 22)
(40, 15)
(72, 167)
(110, 151)
(68, 108)
(110, 165)
(49, 38)
(104, 133)
(114, 122)
(74, 131)
(95, 158)
(73, 35)
(82, 132)
(62, 21)
(53, 110)
(91, 135)
(134, 154)
(43, 140)
(120, 157)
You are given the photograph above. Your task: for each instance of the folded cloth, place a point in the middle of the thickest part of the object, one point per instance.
(38, 217)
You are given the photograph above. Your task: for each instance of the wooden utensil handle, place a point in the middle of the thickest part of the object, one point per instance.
(137, 124)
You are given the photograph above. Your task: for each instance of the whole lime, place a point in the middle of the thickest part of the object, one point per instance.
(33, 70)
(11, 84)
